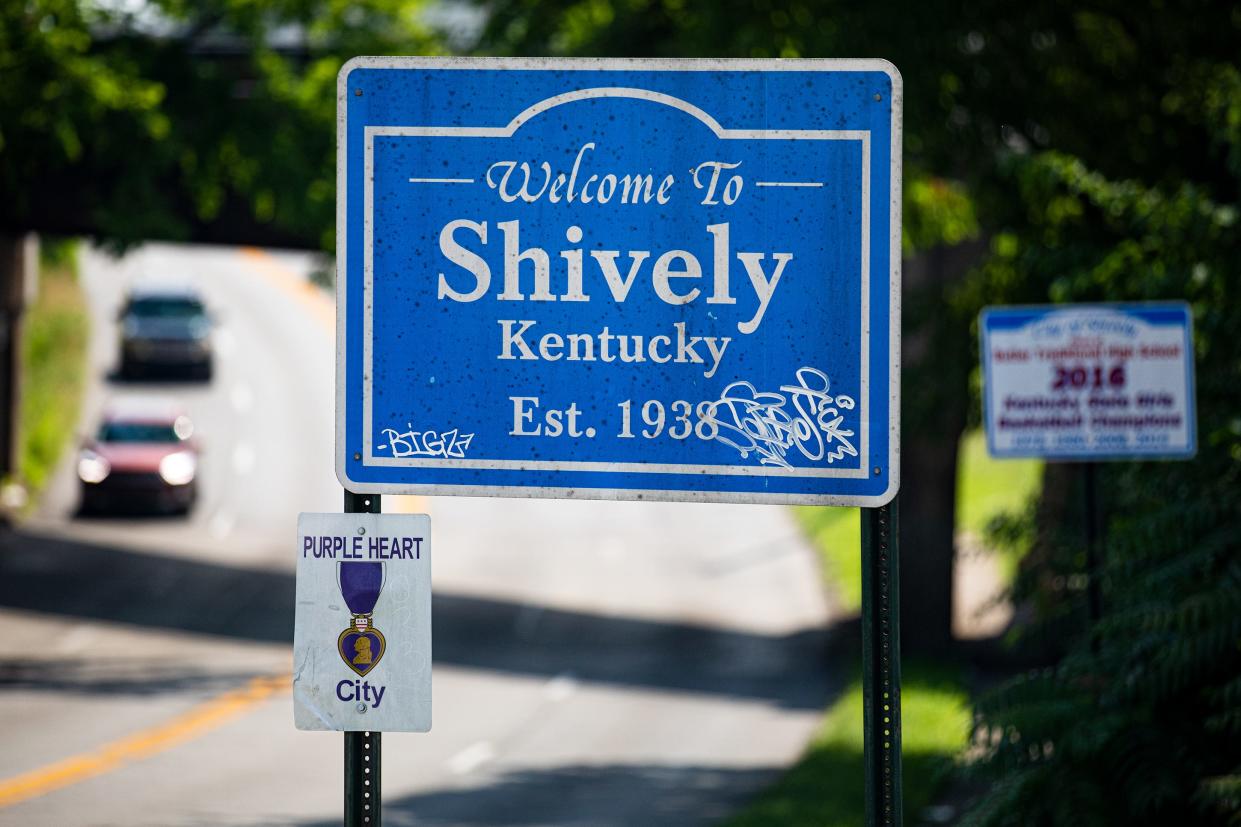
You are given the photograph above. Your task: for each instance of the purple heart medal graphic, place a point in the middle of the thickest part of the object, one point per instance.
(361, 645)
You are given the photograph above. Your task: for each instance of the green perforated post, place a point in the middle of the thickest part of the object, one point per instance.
(1094, 568)
(362, 749)
(881, 666)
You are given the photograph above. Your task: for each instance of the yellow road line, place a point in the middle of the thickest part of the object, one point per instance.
(323, 310)
(143, 744)
(404, 504)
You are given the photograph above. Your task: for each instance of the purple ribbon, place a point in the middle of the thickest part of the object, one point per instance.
(360, 584)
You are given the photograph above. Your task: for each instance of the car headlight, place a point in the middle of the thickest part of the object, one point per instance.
(93, 468)
(178, 468)
(183, 427)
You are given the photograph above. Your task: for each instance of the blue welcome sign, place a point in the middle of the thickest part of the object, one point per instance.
(625, 279)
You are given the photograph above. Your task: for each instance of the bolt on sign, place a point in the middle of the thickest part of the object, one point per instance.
(633, 279)
(1088, 382)
(362, 627)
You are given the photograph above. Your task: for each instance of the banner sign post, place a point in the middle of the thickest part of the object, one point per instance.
(619, 279)
(1089, 383)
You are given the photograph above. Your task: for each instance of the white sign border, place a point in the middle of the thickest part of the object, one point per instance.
(589, 64)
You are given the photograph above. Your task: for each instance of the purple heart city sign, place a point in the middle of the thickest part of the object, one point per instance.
(362, 636)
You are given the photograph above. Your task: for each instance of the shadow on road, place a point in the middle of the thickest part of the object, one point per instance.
(157, 375)
(144, 511)
(568, 796)
(65, 577)
(127, 676)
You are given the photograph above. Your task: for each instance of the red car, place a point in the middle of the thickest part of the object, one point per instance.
(144, 456)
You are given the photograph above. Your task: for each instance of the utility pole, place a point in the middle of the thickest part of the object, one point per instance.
(19, 270)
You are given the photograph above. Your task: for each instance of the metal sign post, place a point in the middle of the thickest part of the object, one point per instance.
(881, 665)
(627, 280)
(362, 636)
(363, 794)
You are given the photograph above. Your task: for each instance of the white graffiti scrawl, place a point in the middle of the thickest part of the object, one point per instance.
(410, 443)
(770, 424)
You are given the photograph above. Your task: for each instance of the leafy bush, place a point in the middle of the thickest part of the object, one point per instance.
(1138, 722)
(53, 363)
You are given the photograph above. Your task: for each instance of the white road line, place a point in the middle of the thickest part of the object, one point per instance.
(471, 758)
(81, 637)
(561, 687)
(611, 548)
(243, 459)
(242, 398)
(225, 342)
(221, 524)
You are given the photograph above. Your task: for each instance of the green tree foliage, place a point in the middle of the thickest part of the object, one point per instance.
(1138, 724)
(181, 119)
(922, 38)
(1095, 148)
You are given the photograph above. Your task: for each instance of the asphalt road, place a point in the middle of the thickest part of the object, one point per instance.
(595, 663)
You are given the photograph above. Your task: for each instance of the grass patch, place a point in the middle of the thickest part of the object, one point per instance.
(986, 488)
(837, 536)
(53, 366)
(825, 789)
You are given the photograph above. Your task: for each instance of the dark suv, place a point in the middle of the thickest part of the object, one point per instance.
(165, 328)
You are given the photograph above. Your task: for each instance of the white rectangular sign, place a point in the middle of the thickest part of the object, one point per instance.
(362, 633)
(1108, 381)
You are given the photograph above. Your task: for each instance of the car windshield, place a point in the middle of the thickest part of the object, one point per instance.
(137, 432)
(166, 308)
